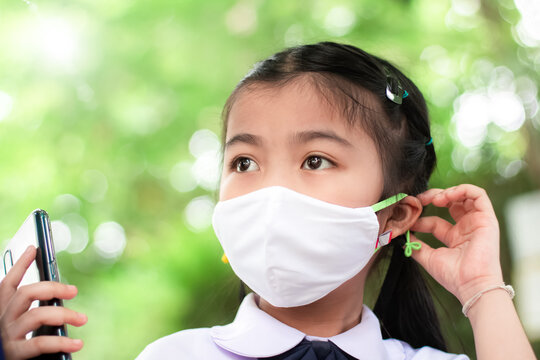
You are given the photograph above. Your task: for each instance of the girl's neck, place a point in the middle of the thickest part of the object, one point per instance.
(334, 314)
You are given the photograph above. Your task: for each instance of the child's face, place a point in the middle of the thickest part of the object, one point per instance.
(290, 136)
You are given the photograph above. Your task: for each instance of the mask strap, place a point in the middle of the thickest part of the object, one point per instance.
(390, 201)
(410, 246)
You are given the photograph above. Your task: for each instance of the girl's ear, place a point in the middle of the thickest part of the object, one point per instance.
(403, 215)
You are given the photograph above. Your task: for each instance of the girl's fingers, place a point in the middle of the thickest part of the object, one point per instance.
(436, 226)
(427, 196)
(460, 200)
(43, 290)
(16, 273)
(38, 345)
(45, 315)
(470, 196)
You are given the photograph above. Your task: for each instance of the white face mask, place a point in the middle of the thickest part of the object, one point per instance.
(293, 249)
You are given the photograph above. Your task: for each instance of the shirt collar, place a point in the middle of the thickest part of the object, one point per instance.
(254, 333)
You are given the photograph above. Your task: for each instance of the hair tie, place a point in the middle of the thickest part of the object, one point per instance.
(508, 288)
(430, 141)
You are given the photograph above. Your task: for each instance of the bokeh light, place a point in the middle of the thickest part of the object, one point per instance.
(339, 21)
(205, 146)
(62, 235)
(181, 178)
(78, 228)
(6, 104)
(496, 102)
(109, 240)
(528, 27)
(198, 213)
(242, 17)
(57, 41)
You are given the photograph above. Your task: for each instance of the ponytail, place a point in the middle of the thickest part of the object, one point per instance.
(404, 306)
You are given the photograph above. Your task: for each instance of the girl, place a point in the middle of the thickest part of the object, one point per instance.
(321, 144)
(313, 137)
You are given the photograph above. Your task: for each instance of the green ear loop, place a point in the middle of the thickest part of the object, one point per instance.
(390, 201)
(409, 246)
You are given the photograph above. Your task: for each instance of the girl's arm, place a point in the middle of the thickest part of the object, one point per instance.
(16, 320)
(469, 264)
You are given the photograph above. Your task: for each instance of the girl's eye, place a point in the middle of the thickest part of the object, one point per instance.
(316, 162)
(244, 164)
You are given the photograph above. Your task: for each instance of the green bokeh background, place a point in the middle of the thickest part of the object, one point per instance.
(99, 99)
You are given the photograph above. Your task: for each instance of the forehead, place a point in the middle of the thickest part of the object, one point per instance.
(299, 105)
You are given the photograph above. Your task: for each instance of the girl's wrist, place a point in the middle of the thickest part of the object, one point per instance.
(470, 303)
(468, 291)
(488, 304)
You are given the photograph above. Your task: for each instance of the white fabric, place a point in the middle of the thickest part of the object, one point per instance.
(255, 334)
(293, 249)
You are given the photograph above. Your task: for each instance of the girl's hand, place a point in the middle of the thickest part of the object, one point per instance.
(16, 320)
(470, 261)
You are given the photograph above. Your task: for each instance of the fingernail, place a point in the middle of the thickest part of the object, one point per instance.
(82, 316)
(28, 249)
(77, 341)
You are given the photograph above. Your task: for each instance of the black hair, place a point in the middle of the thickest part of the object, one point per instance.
(355, 82)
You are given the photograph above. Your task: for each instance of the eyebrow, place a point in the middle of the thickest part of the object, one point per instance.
(300, 137)
(303, 137)
(244, 138)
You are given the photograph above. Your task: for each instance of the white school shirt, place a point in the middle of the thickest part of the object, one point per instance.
(255, 334)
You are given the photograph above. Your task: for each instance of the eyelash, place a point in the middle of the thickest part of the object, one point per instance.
(319, 156)
(233, 164)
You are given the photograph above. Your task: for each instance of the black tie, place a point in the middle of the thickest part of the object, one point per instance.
(313, 350)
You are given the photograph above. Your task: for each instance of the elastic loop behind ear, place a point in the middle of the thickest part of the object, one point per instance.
(410, 246)
(390, 201)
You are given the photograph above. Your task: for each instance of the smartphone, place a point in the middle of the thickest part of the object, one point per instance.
(36, 231)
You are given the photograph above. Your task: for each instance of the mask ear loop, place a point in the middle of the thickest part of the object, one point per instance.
(409, 246)
(390, 201)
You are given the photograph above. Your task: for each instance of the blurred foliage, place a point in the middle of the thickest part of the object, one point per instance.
(99, 100)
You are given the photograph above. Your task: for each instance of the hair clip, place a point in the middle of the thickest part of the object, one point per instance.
(394, 91)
